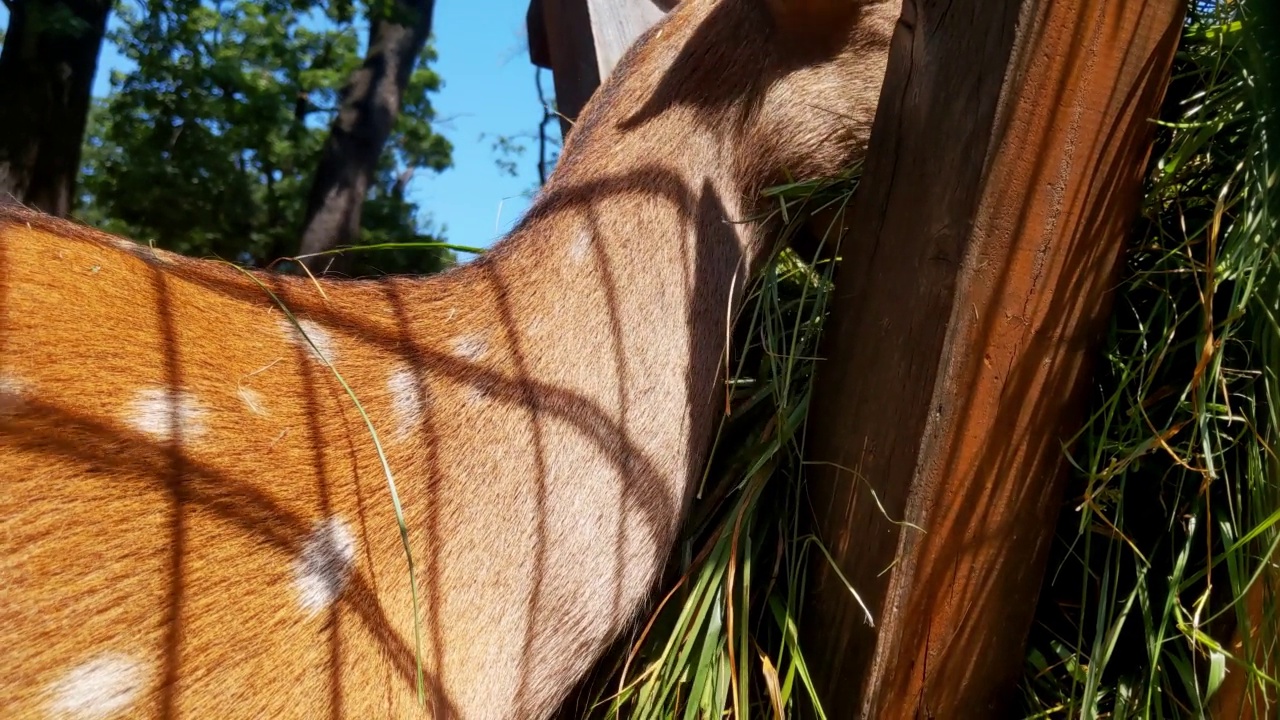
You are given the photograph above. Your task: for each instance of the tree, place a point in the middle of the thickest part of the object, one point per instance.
(371, 103)
(47, 66)
(207, 146)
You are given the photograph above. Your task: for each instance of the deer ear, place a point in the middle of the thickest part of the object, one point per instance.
(812, 19)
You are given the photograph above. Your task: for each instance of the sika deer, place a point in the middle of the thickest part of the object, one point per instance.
(193, 518)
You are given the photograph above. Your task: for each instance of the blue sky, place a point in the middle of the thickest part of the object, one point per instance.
(488, 91)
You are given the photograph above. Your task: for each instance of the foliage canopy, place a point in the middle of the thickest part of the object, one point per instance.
(208, 144)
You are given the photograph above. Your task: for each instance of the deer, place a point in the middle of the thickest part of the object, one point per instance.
(194, 514)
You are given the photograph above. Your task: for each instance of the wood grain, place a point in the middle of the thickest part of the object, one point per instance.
(1002, 179)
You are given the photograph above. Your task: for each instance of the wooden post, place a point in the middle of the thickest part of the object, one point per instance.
(581, 41)
(1002, 179)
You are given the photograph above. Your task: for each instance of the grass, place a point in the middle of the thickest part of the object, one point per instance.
(1172, 519)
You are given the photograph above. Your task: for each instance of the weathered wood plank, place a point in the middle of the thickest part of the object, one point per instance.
(1003, 175)
(1242, 697)
(536, 28)
(582, 40)
(615, 24)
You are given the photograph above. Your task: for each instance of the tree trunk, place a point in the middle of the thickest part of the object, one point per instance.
(370, 105)
(46, 74)
(1003, 176)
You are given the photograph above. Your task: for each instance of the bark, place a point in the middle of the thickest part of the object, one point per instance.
(368, 111)
(46, 73)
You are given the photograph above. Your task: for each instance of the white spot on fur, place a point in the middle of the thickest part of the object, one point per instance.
(534, 328)
(12, 390)
(252, 399)
(408, 400)
(470, 347)
(159, 412)
(106, 685)
(324, 564)
(581, 243)
(321, 341)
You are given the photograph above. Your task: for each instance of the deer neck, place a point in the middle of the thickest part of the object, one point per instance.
(619, 286)
(589, 341)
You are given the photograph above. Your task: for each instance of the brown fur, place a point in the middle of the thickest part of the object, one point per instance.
(568, 382)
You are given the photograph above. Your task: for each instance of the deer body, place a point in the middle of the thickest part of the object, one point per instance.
(193, 519)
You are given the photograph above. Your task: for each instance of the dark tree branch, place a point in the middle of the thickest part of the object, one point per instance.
(548, 117)
(45, 80)
(370, 104)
